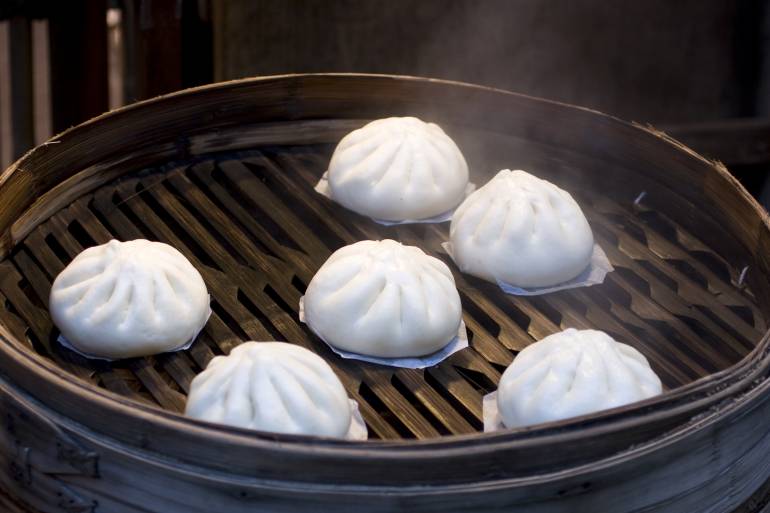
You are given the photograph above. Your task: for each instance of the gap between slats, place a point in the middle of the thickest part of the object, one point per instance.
(257, 231)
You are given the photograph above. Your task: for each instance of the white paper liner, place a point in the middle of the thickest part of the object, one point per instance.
(594, 274)
(66, 343)
(490, 414)
(357, 430)
(458, 343)
(323, 188)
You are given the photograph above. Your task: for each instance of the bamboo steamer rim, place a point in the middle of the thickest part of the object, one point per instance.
(34, 374)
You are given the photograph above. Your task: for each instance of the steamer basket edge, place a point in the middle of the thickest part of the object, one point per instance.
(290, 90)
(546, 491)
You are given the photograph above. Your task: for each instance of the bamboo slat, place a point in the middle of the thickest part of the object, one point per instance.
(225, 174)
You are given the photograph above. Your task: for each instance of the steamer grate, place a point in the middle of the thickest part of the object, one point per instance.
(254, 227)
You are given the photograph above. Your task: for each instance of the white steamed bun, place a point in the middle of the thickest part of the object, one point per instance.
(126, 299)
(271, 386)
(571, 373)
(398, 169)
(521, 230)
(384, 299)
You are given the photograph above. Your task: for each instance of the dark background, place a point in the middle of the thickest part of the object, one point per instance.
(700, 69)
(649, 60)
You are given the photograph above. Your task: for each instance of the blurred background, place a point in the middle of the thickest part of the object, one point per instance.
(698, 69)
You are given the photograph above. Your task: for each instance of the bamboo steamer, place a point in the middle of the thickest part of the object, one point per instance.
(225, 174)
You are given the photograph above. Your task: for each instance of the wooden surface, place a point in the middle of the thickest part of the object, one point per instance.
(225, 173)
(733, 141)
(759, 502)
(254, 224)
(10, 504)
(685, 474)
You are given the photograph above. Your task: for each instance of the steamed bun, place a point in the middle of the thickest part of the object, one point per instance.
(271, 386)
(398, 169)
(521, 230)
(571, 373)
(126, 299)
(384, 299)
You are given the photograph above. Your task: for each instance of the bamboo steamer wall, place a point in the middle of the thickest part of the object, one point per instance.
(225, 174)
